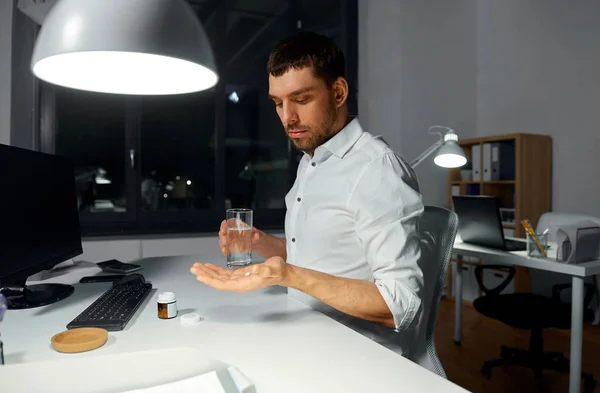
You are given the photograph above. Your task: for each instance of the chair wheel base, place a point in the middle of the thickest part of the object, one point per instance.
(548, 361)
(589, 383)
(486, 370)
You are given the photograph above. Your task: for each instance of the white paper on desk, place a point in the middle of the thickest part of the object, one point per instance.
(205, 383)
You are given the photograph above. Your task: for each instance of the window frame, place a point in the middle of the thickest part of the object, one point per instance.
(48, 127)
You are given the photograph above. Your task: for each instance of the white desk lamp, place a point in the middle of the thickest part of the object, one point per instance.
(150, 47)
(449, 153)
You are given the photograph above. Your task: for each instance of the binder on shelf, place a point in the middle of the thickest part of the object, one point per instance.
(476, 162)
(503, 161)
(487, 161)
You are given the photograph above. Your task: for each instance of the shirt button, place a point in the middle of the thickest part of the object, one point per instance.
(293, 239)
(299, 199)
(313, 164)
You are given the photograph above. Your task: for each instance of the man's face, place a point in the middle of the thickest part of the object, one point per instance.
(306, 107)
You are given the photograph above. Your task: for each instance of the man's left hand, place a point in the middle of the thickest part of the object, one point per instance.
(271, 272)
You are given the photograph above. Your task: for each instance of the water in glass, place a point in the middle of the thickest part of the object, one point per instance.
(239, 242)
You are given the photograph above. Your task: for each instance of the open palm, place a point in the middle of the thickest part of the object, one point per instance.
(247, 279)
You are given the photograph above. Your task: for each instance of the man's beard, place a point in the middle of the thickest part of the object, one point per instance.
(314, 136)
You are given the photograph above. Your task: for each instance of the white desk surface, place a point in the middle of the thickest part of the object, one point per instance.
(277, 342)
(519, 258)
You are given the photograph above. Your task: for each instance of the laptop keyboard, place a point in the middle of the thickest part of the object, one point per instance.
(515, 245)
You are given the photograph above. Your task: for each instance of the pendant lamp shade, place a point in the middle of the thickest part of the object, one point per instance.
(138, 47)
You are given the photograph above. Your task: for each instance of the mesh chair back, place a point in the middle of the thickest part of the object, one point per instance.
(437, 228)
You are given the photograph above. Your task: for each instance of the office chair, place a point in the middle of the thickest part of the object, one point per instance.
(437, 230)
(531, 312)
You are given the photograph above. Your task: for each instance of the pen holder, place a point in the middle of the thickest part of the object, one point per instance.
(533, 246)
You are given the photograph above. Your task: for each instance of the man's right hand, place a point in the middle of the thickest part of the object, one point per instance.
(263, 244)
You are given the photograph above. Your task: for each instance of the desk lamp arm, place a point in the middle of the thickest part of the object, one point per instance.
(421, 157)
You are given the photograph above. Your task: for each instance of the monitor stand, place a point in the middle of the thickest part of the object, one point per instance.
(30, 296)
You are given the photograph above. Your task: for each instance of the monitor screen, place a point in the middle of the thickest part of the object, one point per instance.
(38, 209)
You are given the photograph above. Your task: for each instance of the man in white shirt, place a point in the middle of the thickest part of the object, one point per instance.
(351, 248)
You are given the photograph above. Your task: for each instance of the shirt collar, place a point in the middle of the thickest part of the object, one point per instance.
(341, 142)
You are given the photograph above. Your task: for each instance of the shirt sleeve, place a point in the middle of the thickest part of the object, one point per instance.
(387, 205)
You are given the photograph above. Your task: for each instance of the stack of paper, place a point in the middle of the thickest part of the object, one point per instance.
(205, 383)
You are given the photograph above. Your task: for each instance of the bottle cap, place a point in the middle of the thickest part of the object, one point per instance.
(190, 319)
(166, 297)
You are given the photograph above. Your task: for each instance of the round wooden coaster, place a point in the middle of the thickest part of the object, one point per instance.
(79, 340)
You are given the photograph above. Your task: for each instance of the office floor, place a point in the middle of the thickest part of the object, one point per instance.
(482, 338)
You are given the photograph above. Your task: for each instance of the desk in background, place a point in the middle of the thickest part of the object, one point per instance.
(519, 258)
(277, 342)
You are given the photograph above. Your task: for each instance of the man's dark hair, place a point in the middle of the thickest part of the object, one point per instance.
(305, 49)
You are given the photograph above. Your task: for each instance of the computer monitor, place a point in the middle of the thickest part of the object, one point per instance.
(39, 226)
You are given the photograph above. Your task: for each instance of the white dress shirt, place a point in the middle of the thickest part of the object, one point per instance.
(352, 212)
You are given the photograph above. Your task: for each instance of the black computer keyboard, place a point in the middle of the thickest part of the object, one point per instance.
(115, 307)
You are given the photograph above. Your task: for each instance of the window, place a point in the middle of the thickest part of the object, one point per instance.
(256, 151)
(174, 163)
(337, 19)
(177, 162)
(92, 132)
(258, 154)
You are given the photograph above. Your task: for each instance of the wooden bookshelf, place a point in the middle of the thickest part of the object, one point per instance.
(529, 193)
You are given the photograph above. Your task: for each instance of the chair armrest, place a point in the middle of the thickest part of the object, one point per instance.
(497, 290)
(590, 291)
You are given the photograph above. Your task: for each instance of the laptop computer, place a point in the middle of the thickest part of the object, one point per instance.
(479, 223)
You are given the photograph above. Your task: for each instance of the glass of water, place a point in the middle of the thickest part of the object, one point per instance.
(239, 237)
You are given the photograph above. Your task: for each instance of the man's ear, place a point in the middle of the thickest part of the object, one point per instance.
(340, 91)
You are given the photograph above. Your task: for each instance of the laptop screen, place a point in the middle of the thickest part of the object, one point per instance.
(479, 220)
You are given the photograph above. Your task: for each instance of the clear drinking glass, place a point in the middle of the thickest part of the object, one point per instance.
(239, 237)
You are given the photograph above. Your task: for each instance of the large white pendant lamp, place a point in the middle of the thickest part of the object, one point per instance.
(139, 47)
